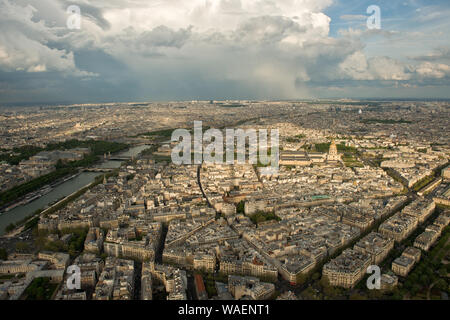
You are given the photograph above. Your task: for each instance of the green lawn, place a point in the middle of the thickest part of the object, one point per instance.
(40, 289)
(261, 216)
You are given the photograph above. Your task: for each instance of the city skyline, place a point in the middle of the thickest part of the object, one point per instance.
(95, 203)
(220, 156)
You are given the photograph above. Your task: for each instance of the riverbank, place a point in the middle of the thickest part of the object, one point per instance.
(21, 214)
(38, 193)
(62, 169)
(58, 205)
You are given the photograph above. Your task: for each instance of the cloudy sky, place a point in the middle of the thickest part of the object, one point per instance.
(142, 50)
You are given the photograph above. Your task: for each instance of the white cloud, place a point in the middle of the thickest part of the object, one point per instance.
(433, 70)
(24, 43)
(265, 47)
(358, 67)
(250, 42)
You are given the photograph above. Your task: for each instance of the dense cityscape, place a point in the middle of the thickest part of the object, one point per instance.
(360, 183)
(224, 158)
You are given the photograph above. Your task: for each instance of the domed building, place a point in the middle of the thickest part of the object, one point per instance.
(333, 154)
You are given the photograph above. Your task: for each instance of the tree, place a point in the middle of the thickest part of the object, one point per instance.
(40, 293)
(301, 278)
(10, 227)
(413, 277)
(357, 296)
(330, 291)
(309, 294)
(375, 294)
(3, 254)
(22, 246)
(240, 207)
(442, 285)
(397, 295)
(424, 279)
(324, 282)
(415, 289)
